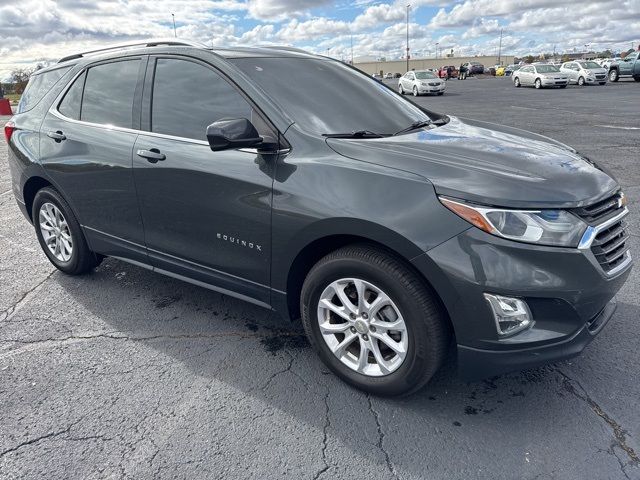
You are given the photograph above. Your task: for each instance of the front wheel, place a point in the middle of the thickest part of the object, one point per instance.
(581, 81)
(613, 75)
(516, 82)
(373, 321)
(637, 79)
(538, 83)
(60, 234)
(400, 90)
(415, 91)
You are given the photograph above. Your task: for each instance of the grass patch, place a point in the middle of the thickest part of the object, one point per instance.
(13, 97)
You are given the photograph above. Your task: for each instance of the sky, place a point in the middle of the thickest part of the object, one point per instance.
(33, 31)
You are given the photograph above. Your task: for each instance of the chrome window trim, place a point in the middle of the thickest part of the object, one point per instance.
(590, 233)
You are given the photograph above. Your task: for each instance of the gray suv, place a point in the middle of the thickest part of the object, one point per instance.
(397, 235)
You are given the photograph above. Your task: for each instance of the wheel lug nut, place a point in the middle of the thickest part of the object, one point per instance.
(353, 330)
(353, 316)
(365, 337)
(365, 316)
(372, 328)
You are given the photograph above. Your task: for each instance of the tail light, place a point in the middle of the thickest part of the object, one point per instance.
(9, 128)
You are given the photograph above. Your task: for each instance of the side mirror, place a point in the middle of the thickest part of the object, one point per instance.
(231, 133)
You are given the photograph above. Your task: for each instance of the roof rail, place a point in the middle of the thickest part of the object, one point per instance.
(138, 43)
(288, 49)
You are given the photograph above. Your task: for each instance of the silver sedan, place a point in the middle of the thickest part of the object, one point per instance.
(540, 76)
(420, 82)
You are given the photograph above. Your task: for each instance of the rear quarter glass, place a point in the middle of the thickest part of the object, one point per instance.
(38, 86)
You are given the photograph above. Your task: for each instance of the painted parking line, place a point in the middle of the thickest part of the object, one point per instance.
(618, 127)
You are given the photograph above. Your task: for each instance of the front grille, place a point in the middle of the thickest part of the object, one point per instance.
(434, 84)
(611, 244)
(601, 211)
(600, 77)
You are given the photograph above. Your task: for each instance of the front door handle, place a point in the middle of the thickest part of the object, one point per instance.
(58, 136)
(152, 155)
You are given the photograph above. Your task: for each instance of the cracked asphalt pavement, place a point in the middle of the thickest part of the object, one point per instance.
(128, 374)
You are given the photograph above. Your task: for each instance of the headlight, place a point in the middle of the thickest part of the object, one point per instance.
(543, 227)
(424, 84)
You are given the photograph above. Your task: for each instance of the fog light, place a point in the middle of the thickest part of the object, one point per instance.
(512, 315)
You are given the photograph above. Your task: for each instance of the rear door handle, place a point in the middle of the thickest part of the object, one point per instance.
(153, 155)
(57, 136)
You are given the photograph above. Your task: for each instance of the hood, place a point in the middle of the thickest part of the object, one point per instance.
(489, 164)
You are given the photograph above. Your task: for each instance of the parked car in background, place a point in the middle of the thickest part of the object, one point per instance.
(584, 72)
(377, 76)
(397, 75)
(607, 62)
(421, 82)
(474, 68)
(500, 71)
(540, 76)
(388, 75)
(629, 66)
(442, 71)
(510, 69)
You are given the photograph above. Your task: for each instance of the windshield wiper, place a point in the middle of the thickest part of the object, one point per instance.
(414, 126)
(354, 134)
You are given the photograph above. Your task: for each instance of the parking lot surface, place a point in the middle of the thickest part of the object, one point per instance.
(128, 374)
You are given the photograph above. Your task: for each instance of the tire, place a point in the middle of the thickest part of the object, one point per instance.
(637, 79)
(516, 82)
(538, 83)
(426, 332)
(604, 83)
(415, 91)
(614, 75)
(68, 233)
(400, 90)
(581, 81)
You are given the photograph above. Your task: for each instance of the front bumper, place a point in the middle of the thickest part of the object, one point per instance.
(568, 293)
(432, 88)
(551, 82)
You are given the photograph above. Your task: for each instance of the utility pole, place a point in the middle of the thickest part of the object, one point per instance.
(500, 49)
(174, 25)
(437, 43)
(408, 7)
(351, 48)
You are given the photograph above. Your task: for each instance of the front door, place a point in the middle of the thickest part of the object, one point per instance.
(206, 215)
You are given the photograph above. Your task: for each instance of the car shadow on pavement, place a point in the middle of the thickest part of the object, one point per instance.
(229, 343)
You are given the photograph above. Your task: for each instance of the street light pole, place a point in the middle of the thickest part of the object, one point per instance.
(500, 49)
(408, 7)
(351, 48)
(437, 43)
(174, 25)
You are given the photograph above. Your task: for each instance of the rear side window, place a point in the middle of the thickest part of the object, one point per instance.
(188, 97)
(108, 93)
(70, 105)
(38, 86)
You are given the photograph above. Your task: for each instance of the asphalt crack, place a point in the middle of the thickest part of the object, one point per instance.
(33, 441)
(325, 438)
(380, 443)
(5, 314)
(619, 433)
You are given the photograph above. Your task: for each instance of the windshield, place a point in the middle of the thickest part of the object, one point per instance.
(547, 69)
(314, 94)
(589, 65)
(424, 75)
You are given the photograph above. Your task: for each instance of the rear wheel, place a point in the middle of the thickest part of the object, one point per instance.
(60, 234)
(516, 82)
(538, 83)
(373, 322)
(613, 75)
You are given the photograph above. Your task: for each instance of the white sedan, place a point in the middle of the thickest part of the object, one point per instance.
(420, 82)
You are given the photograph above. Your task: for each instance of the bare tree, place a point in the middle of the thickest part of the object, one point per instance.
(20, 78)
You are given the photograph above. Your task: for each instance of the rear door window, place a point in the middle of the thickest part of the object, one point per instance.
(39, 85)
(109, 92)
(188, 97)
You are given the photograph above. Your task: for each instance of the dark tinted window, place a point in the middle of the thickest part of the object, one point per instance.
(108, 93)
(324, 96)
(70, 105)
(188, 97)
(38, 86)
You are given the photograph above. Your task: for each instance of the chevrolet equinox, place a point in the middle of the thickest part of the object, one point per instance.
(298, 183)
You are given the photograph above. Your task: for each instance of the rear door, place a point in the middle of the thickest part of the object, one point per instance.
(207, 215)
(86, 144)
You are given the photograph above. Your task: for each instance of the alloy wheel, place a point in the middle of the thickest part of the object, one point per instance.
(55, 232)
(363, 327)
